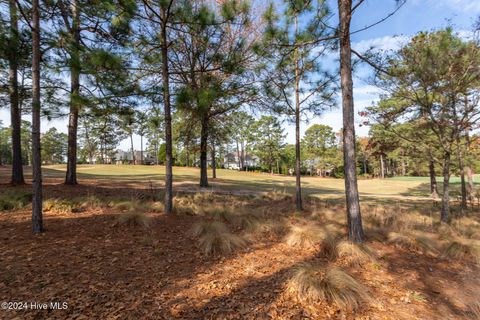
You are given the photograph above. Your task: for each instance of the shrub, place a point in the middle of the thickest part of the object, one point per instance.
(134, 219)
(377, 234)
(457, 249)
(138, 206)
(202, 197)
(13, 201)
(410, 241)
(215, 238)
(276, 196)
(245, 221)
(205, 227)
(126, 205)
(313, 283)
(184, 206)
(276, 226)
(61, 206)
(307, 236)
(354, 254)
(218, 213)
(91, 201)
(157, 206)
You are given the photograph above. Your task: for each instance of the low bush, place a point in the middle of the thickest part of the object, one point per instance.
(354, 254)
(214, 238)
(313, 283)
(134, 219)
(307, 236)
(13, 201)
(61, 206)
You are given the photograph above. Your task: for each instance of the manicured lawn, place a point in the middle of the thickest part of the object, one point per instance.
(235, 181)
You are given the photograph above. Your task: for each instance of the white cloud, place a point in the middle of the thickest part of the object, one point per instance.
(383, 43)
(470, 6)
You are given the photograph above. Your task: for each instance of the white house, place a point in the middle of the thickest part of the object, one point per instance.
(232, 161)
(122, 157)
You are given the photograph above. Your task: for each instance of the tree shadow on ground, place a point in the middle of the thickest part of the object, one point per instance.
(444, 285)
(98, 267)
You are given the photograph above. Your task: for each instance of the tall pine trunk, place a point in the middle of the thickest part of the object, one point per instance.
(382, 167)
(298, 184)
(433, 180)
(71, 175)
(203, 152)
(468, 167)
(134, 160)
(214, 161)
(37, 219)
(167, 114)
(239, 157)
(141, 149)
(242, 152)
(470, 186)
(354, 218)
(16, 117)
(445, 212)
(461, 167)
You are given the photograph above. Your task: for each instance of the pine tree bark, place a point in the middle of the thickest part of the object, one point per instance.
(470, 186)
(354, 218)
(71, 175)
(382, 167)
(16, 117)
(134, 160)
(298, 183)
(239, 157)
(203, 152)
(242, 145)
(461, 166)
(445, 212)
(433, 180)
(37, 219)
(214, 161)
(468, 167)
(141, 149)
(167, 113)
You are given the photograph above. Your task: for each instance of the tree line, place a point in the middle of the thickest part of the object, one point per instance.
(204, 68)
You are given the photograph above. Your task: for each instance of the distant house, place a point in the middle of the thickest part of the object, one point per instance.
(232, 161)
(126, 157)
(209, 161)
(317, 167)
(97, 158)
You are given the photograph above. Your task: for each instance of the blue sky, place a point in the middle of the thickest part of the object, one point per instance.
(413, 17)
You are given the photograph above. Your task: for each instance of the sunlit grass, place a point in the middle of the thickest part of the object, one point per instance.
(236, 180)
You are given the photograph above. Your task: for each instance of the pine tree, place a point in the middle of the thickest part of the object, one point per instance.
(77, 26)
(37, 217)
(412, 78)
(290, 48)
(354, 218)
(17, 169)
(216, 78)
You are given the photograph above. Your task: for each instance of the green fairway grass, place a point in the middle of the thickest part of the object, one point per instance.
(236, 181)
